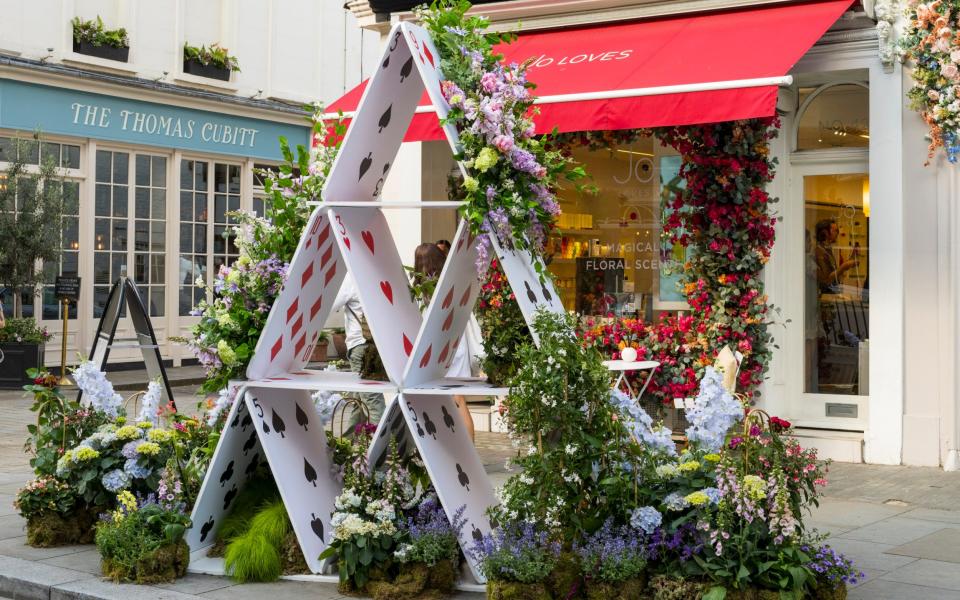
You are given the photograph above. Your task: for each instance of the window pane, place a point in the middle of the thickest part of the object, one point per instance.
(102, 200)
(71, 233)
(186, 238)
(158, 237)
(100, 294)
(51, 306)
(101, 267)
(104, 159)
(200, 207)
(120, 167)
(7, 150)
(836, 287)
(118, 265)
(140, 268)
(70, 263)
(159, 206)
(159, 171)
(220, 208)
(71, 198)
(200, 176)
(120, 200)
(220, 178)
(70, 158)
(157, 268)
(838, 117)
(186, 205)
(143, 170)
(29, 151)
(234, 179)
(50, 151)
(200, 239)
(142, 201)
(141, 240)
(101, 234)
(119, 238)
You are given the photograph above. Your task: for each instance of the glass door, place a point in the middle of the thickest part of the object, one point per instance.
(830, 321)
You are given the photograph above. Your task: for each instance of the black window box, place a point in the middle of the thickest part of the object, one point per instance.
(195, 67)
(104, 51)
(17, 358)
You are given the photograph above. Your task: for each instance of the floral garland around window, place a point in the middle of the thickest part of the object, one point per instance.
(511, 171)
(932, 42)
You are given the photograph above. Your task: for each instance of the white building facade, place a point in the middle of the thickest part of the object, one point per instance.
(155, 156)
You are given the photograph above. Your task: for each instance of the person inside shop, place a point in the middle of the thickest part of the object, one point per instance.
(830, 264)
(357, 345)
(444, 246)
(428, 260)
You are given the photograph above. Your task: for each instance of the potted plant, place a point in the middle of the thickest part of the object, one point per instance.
(320, 350)
(214, 62)
(612, 561)
(21, 348)
(93, 39)
(517, 559)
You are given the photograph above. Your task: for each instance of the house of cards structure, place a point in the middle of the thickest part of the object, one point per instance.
(273, 419)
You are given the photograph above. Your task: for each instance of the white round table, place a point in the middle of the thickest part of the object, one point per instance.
(624, 366)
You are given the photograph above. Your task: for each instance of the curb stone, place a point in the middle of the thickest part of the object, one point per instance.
(30, 580)
(95, 588)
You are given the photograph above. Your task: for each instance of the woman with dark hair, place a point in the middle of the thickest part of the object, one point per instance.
(428, 261)
(444, 246)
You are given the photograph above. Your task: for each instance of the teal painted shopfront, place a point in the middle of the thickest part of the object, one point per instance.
(153, 177)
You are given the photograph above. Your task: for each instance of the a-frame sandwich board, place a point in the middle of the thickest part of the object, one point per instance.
(124, 294)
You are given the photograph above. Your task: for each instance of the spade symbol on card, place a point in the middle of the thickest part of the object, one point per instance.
(236, 421)
(384, 119)
(420, 430)
(447, 419)
(530, 295)
(386, 63)
(316, 525)
(227, 474)
(250, 443)
(309, 472)
(254, 463)
(229, 497)
(431, 427)
(365, 165)
(278, 423)
(462, 477)
(405, 69)
(247, 422)
(302, 420)
(386, 167)
(477, 534)
(205, 530)
(546, 292)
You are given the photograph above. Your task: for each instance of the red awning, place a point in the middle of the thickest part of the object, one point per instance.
(673, 71)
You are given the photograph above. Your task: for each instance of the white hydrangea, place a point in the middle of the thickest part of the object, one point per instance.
(150, 404)
(97, 390)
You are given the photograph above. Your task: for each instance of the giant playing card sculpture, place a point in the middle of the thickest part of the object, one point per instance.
(273, 419)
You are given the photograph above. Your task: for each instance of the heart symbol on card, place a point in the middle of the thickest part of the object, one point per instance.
(466, 296)
(368, 240)
(447, 322)
(443, 353)
(426, 357)
(346, 242)
(387, 290)
(407, 345)
(447, 300)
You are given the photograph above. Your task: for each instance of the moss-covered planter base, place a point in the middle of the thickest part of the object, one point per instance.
(417, 581)
(164, 564)
(827, 592)
(565, 581)
(632, 589)
(49, 529)
(509, 590)
(671, 588)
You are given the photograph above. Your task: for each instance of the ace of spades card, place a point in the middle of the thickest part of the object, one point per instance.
(446, 316)
(531, 293)
(371, 255)
(296, 449)
(237, 457)
(378, 127)
(300, 311)
(453, 464)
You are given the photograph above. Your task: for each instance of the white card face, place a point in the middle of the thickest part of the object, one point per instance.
(453, 464)
(531, 293)
(371, 255)
(297, 316)
(427, 60)
(296, 449)
(377, 129)
(392, 426)
(446, 317)
(236, 458)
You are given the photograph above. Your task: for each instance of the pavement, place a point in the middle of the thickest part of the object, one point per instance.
(900, 524)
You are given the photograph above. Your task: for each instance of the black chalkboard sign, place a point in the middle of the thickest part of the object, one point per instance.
(67, 288)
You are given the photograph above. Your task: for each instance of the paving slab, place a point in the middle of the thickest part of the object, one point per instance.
(932, 573)
(890, 590)
(934, 514)
(941, 545)
(852, 514)
(195, 583)
(870, 555)
(12, 526)
(87, 561)
(896, 530)
(17, 547)
(99, 589)
(26, 579)
(279, 590)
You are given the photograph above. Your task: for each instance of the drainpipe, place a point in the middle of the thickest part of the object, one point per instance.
(949, 265)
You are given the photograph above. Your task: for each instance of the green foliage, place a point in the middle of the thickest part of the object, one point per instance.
(23, 331)
(503, 327)
(94, 32)
(31, 208)
(215, 55)
(254, 555)
(45, 494)
(126, 539)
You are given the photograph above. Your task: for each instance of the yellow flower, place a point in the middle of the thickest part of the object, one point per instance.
(126, 503)
(243, 261)
(120, 422)
(160, 436)
(485, 159)
(470, 184)
(755, 487)
(226, 353)
(714, 458)
(144, 425)
(84, 453)
(127, 433)
(697, 498)
(148, 448)
(689, 466)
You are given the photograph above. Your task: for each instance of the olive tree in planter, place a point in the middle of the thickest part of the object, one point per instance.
(93, 39)
(214, 62)
(31, 209)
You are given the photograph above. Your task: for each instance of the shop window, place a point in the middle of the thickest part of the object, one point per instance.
(834, 116)
(607, 257)
(150, 230)
(836, 285)
(27, 149)
(110, 225)
(68, 263)
(226, 200)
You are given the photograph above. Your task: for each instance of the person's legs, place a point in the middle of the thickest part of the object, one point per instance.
(373, 402)
(465, 413)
